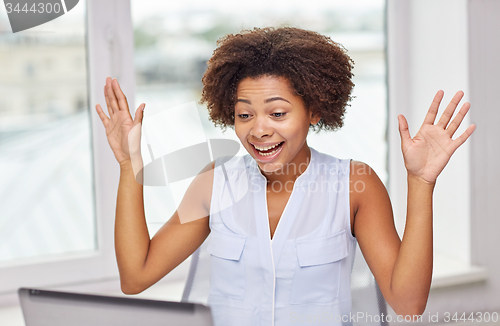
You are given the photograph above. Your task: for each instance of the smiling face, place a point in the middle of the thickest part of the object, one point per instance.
(267, 113)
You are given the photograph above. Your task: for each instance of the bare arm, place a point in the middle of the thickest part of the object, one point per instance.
(403, 268)
(131, 234)
(141, 261)
(412, 274)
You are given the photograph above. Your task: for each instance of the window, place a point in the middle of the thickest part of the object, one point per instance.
(48, 225)
(173, 41)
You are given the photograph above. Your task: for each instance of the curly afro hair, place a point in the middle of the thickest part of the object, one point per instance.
(318, 69)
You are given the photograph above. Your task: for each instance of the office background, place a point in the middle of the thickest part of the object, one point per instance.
(60, 177)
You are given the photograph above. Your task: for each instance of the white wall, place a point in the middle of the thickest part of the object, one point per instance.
(434, 49)
(452, 45)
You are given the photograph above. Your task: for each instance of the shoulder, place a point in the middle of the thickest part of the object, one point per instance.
(364, 175)
(366, 188)
(209, 167)
(220, 167)
(361, 171)
(199, 190)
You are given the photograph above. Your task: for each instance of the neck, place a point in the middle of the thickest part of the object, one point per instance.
(291, 171)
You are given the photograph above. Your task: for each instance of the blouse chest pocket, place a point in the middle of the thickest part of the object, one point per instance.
(318, 273)
(227, 269)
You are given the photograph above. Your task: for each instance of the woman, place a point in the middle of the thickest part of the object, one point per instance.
(273, 86)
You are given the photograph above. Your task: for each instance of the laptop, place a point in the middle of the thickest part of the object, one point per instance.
(54, 308)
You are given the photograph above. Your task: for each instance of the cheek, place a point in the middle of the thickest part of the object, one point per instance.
(240, 132)
(294, 130)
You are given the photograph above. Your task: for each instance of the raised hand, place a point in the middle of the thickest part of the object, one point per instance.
(426, 154)
(120, 124)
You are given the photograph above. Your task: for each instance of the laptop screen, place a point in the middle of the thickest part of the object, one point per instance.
(53, 308)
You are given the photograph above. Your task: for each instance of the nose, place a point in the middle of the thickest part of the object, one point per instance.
(261, 127)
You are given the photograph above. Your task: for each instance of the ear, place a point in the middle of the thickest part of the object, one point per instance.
(314, 118)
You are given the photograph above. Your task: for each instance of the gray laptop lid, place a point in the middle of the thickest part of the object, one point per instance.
(54, 308)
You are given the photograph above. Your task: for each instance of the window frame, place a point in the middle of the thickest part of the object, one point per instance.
(109, 52)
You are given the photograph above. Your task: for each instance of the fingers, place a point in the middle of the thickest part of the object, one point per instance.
(116, 98)
(110, 109)
(433, 109)
(404, 132)
(113, 102)
(448, 112)
(464, 136)
(102, 115)
(122, 99)
(139, 114)
(455, 123)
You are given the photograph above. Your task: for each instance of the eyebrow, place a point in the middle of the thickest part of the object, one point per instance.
(276, 98)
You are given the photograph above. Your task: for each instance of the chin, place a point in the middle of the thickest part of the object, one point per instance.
(270, 167)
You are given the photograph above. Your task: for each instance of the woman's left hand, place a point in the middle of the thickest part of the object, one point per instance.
(426, 154)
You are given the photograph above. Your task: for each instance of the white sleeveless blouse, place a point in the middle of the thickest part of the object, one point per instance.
(301, 277)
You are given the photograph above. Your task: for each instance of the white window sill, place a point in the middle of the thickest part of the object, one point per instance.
(448, 271)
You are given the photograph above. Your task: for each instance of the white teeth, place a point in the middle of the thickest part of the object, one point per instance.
(267, 154)
(266, 148)
(270, 153)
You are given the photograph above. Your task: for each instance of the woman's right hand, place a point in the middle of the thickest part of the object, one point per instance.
(120, 124)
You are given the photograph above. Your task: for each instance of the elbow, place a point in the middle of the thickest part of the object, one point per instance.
(409, 303)
(413, 310)
(134, 283)
(130, 288)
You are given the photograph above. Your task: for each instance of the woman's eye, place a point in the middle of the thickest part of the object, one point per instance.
(243, 116)
(279, 114)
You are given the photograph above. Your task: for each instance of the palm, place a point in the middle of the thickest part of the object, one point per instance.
(117, 132)
(426, 154)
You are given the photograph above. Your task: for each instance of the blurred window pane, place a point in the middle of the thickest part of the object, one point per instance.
(173, 41)
(46, 188)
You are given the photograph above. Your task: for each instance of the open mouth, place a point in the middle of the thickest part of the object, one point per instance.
(268, 151)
